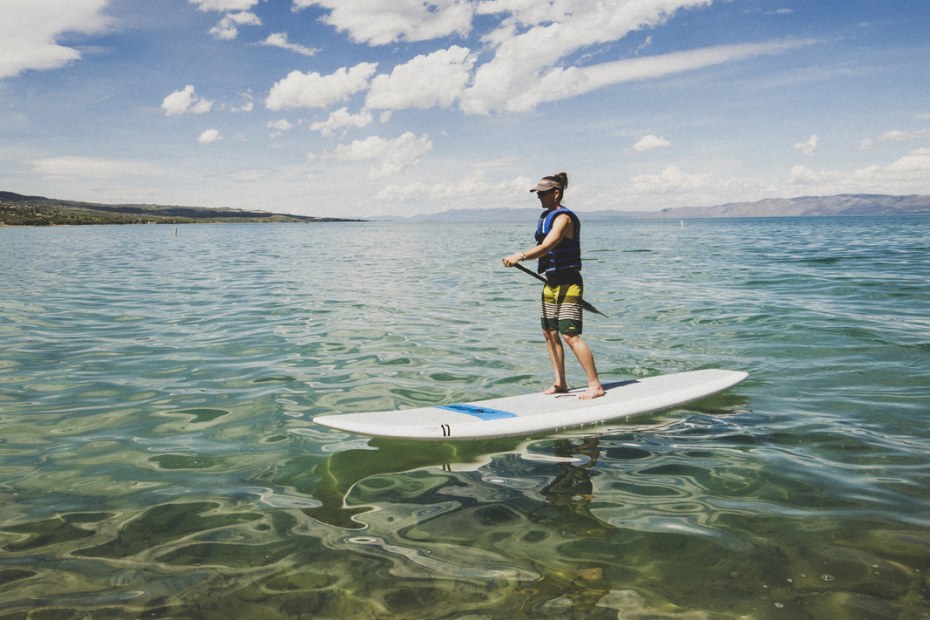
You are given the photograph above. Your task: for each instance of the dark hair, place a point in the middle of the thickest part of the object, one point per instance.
(561, 178)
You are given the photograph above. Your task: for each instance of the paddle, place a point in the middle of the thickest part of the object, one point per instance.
(584, 304)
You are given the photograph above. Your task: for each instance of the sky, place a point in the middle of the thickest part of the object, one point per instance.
(374, 108)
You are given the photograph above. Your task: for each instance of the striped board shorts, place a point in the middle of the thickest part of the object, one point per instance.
(561, 308)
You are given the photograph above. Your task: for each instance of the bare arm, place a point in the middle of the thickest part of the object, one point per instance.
(562, 228)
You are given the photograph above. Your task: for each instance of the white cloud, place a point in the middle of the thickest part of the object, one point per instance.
(426, 81)
(237, 14)
(209, 136)
(804, 180)
(672, 180)
(341, 119)
(379, 22)
(528, 50)
(474, 186)
(279, 39)
(391, 156)
(185, 101)
(251, 175)
(898, 135)
(519, 83)
(674, 186)
(650, 142)
(223, 5)
(809, 147)
(228, 28)
(281, 125)
(535, 36)
(917, 161)
(906, 175)
(91, 167)
(247, 106)
(29, 31)
(453, 193)
(312, 90)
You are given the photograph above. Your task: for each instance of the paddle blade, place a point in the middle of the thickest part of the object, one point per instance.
(591, 308)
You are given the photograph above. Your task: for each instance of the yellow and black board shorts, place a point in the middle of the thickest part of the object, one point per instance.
(561, 307)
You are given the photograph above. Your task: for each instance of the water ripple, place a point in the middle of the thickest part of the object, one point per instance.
(157, 394)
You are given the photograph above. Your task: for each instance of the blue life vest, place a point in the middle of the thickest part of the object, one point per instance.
(566, 256)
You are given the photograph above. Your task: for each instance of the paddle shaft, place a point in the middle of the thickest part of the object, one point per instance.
(532, 273)
(584, 304)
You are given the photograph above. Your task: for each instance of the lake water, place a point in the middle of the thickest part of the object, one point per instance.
(159, 457)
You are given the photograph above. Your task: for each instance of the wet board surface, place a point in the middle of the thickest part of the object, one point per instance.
(537, 413)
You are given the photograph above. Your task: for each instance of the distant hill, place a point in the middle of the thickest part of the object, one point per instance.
(19, 210)
(804, 206)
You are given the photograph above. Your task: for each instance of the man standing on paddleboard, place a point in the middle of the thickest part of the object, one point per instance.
(558, 250)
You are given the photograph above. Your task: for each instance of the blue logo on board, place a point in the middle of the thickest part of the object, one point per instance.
(482, 413)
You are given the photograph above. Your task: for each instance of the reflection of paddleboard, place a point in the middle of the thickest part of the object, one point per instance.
(536, 413)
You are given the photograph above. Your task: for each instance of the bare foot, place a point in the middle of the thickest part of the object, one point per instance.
(557, 389)
(593, 391)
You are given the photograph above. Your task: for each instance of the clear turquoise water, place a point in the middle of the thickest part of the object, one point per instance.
(159, 457)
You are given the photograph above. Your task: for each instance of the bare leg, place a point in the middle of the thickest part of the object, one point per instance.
(581, 350)
(557, 359)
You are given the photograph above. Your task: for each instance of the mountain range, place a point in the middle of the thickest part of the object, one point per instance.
(804, 206)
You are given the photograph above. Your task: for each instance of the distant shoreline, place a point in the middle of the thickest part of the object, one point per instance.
(841, 205)
(19, 210)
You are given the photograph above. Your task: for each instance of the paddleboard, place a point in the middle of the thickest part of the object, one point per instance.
(531, 414)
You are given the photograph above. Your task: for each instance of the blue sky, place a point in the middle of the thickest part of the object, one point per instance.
(359, 108)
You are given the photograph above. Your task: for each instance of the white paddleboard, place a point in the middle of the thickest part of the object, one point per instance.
(535, 413)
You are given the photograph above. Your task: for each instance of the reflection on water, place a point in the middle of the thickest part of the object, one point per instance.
(331, 479)
(160, 460)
